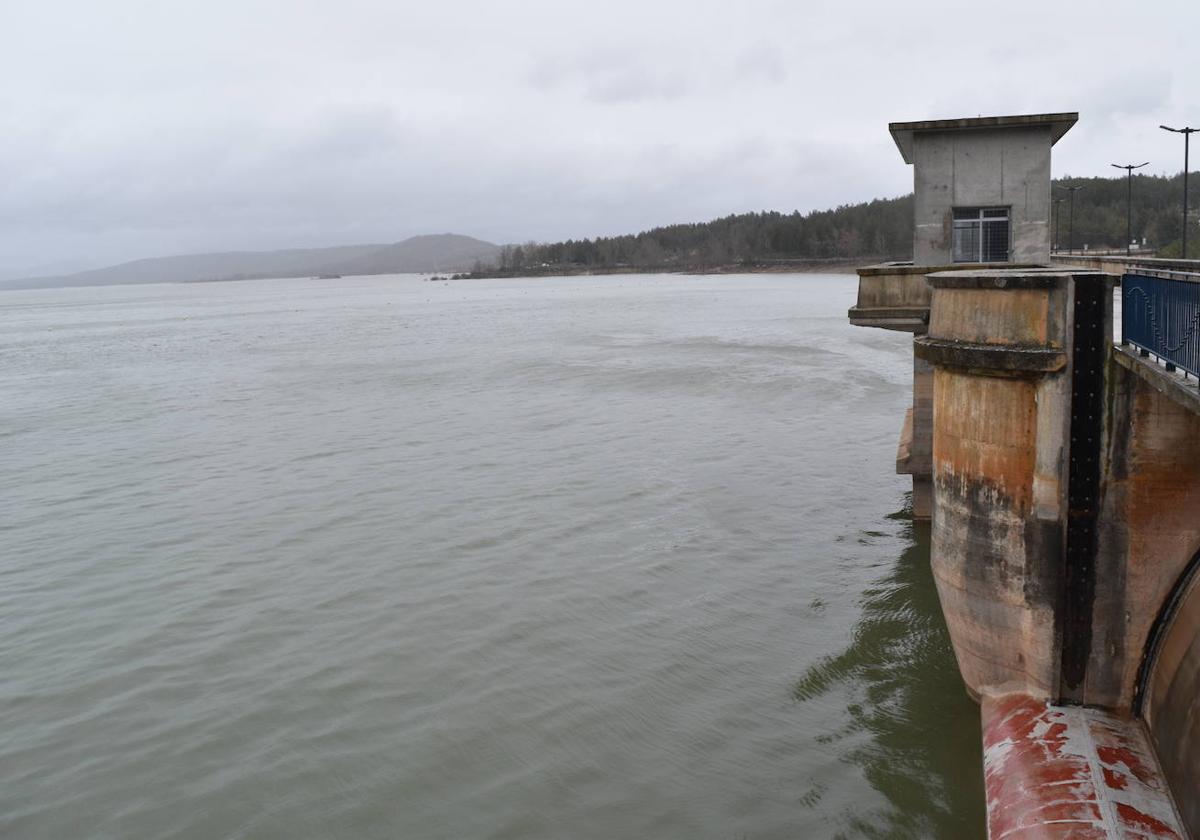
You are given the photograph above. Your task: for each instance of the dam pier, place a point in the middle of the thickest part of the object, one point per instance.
(1059, 470)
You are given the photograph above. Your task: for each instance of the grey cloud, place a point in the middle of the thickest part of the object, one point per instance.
(611, 75)
(130, 129)
(760, 62)
(1133, 92)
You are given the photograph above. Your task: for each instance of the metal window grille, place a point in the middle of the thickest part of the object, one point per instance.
(980, 234)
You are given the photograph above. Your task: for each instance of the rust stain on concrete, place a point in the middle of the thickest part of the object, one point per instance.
(985, 433)
(1019, 317)
(1069, 772)
(1153, 492)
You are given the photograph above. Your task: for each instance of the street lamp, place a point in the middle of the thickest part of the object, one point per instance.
(1057, 216)
(1071, 218)
(1187, 133)
(1129, 167)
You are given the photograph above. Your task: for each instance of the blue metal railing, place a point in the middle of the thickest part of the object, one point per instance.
(1161, 315)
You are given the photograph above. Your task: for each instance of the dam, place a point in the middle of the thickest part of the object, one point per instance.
(1058, 467)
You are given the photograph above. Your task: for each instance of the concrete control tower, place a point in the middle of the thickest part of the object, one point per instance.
(981, 187)
(981, 190)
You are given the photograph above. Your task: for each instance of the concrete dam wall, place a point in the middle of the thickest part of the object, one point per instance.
(1064, 477)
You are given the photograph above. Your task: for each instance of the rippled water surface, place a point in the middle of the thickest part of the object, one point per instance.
(383, 558)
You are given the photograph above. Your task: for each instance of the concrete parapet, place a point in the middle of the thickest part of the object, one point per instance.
(1120, 264)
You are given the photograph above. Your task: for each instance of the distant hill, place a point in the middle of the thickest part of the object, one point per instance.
(441, 252)
(874, 230)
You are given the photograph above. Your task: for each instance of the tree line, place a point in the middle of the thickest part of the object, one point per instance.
(882, 228)
(875, 230)
(1100, 209)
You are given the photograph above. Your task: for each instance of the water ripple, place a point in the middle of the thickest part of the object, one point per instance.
(597, 557)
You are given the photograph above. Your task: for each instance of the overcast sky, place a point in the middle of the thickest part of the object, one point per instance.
(132, 129)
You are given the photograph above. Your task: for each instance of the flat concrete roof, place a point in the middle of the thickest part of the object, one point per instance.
(902, 132)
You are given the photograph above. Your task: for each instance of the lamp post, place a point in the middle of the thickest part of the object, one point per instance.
(1071, 218)
(1057, 216)
(1129, 167)
(1187, 134)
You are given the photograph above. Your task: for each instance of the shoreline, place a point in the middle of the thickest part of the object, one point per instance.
(838, 265)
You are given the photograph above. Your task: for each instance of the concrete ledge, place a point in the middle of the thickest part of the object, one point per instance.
(893, 324)
(1002, 359)
(909, 268)
(1170, 385)
(888, 312)
(901, 267)
(1026, 278)
(902, 318)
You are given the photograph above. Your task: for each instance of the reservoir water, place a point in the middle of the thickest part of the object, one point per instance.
(590, 557)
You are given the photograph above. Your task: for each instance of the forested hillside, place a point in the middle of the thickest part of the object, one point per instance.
(1100, 212)
(879, 229)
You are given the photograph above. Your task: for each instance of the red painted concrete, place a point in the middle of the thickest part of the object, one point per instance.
(1069, 772)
